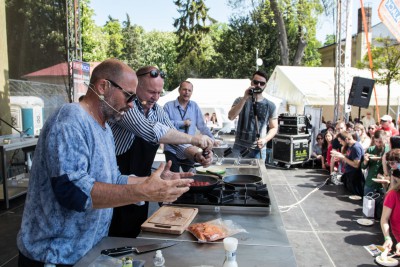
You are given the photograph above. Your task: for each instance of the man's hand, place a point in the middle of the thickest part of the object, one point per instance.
(260, 143)
(205, 161)
(202, 141)
(337, 154)
(158, 190)
(187, 122)
(169, 175)
(247, 93)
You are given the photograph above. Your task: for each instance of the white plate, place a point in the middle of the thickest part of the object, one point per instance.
(388, 262)
(218, 170)
(375, 158)
(377, 180)
(365, 222)
(355, 197)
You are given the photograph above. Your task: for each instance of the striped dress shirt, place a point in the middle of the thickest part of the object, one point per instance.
(150, 128)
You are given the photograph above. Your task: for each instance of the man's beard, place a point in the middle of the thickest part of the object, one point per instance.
(108, 113)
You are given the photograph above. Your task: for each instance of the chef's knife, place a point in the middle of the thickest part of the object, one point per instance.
(116, 252)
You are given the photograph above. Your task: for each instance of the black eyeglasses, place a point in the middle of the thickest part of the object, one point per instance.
(319, 138)
(258, 83)
(154, 74)
(371, 128)
(129, 96)
(383, 121)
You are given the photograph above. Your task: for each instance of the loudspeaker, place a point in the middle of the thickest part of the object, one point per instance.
(360, 92)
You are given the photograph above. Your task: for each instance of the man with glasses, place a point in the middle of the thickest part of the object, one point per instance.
(187, 117)
(75, 181)
(137, 138)
(387, 125)
(255, 114)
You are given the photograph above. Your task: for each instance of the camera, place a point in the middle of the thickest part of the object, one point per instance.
(255, 90)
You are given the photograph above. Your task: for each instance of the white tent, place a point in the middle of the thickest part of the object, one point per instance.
(314, 86)
(216, 95)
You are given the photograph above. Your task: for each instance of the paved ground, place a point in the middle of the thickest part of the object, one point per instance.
(322, 229)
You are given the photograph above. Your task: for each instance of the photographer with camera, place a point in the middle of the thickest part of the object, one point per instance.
(255, 114)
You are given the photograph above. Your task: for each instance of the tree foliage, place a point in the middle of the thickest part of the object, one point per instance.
(191, 26)
(92, 46)
(36, 33)
(386, 63)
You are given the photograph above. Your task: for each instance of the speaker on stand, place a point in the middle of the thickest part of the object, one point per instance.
(360, 93)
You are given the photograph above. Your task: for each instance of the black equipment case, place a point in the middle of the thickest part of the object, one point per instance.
(292, 124)
(291, 149)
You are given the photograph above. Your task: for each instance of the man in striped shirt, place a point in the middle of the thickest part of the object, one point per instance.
(137, 137)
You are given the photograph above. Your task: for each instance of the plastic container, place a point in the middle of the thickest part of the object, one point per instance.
(230, 245)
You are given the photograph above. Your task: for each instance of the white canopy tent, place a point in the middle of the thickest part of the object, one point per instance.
(314, 86)
(216, 95)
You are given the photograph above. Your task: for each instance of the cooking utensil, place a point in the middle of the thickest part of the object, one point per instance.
(213, 182)
(116, 252)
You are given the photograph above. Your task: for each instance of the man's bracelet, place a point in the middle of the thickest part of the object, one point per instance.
(388, 238)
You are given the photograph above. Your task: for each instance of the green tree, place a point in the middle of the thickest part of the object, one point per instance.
(132, 42)
(191, 27)
(36, 32)
(93, 49)
(113, 31)
(158, 49)
(292, 17)
(386, 63)
(330, 39)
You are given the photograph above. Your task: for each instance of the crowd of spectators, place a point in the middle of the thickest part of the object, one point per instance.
(364, 157)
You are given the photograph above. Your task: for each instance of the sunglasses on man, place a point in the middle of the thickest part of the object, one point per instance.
(154, 74)
(129, 96)
(255, 82)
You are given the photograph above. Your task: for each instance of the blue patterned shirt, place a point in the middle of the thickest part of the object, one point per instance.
(59, 224)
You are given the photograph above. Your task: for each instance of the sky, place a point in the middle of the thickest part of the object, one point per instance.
(160, 14)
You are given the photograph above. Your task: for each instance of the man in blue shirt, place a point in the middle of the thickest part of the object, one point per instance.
(186, 116)
(352, 178)
(75, 181)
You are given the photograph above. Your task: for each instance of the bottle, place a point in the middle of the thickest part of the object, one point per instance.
(158, 259)
(230, 245)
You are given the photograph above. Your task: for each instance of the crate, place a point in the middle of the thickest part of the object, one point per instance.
(291, 149)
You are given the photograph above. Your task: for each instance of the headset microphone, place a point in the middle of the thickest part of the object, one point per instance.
(101, 97)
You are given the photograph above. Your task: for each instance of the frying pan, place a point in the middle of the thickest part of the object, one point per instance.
(214, 181)
(239, 179)
(242, 179)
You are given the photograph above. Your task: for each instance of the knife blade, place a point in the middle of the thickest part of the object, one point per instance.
(116, 252)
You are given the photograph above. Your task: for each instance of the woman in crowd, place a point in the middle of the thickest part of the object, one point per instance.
(317, 150)
(214, 118)
(364, 139)
(326, 148)
(371, 129)
(391, 213)
(391, 157)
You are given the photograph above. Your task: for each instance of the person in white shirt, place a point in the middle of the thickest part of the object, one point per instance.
(368, 120)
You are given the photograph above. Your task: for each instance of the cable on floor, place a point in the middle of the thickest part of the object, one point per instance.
(289, 207)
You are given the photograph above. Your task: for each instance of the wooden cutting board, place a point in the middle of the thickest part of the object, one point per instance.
(170, 220)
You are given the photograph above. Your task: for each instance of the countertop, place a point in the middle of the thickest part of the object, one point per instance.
(264, 244)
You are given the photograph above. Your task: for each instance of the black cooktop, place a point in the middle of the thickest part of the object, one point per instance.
(254, 195)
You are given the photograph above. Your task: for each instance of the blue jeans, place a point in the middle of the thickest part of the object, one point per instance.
(253, 153)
